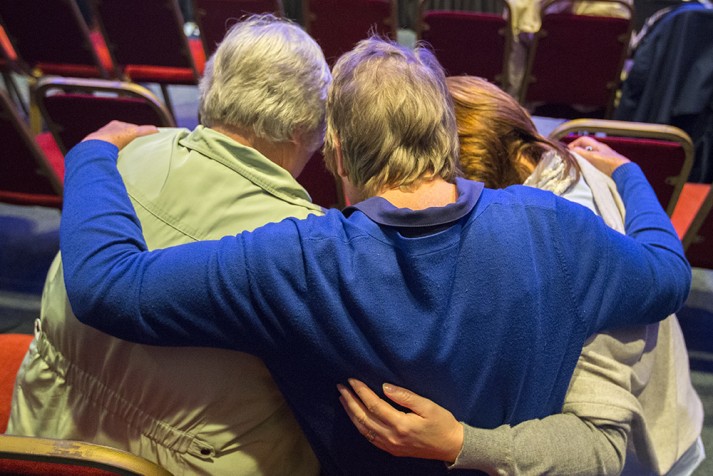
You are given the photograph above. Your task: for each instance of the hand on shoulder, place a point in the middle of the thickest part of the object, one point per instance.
(121, 133)
(603, 157)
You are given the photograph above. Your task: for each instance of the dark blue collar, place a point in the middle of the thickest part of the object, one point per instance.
(383, 212)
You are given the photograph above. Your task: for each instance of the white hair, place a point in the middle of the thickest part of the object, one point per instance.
(268, 76)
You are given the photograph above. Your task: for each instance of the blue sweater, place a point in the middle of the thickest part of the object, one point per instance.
(482, 305)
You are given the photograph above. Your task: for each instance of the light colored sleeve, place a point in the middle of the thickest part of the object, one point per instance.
(560, 444)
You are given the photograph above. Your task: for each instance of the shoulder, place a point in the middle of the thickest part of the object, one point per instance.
(165, 137)
(159, 146)
(520, 196)
(519, 206)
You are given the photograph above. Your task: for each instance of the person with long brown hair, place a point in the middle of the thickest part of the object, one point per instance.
(630, 386)
(499, 143)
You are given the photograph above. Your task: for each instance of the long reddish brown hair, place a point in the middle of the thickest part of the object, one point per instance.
(499, 144)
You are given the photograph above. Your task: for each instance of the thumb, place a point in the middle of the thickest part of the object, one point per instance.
(406, 398)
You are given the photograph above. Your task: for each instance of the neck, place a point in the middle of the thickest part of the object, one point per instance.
(281, 153)
(432, 193)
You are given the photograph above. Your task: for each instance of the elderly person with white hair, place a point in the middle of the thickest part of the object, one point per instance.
(194, 411)
(477, 298)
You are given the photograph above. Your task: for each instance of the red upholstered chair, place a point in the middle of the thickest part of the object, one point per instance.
(324, 189)
(147, 42)
(338, 25)
(24, 455)
(73, 107)
(576, 60)
(51, 37)
(698, 240)
(468, 42)
(28, 176)
(215, 17)
(13, 348)
(664, 153)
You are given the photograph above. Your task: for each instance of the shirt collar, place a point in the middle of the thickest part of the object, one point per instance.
(383, 212)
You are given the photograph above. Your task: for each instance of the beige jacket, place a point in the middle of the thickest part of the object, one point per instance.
(191, 410)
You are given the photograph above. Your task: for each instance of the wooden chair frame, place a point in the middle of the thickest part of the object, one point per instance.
(77, 85)
(77, 453)
(637, 130)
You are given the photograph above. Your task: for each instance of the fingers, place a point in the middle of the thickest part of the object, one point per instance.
(603, 157)
(146, 130)
(364, 421)
(437, 435)
(583, 142)
(406, 398)
(121, 133)
(377, 407)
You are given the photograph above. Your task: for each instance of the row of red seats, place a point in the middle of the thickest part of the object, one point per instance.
(144, 42)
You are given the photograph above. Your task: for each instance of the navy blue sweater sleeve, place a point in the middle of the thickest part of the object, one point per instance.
(618, 280)
(161, 297)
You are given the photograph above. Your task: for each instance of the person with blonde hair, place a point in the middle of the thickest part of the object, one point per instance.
(636, 378)
(430, 281)
(193, 411)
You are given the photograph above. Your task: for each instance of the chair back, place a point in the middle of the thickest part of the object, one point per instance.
(13, 348)
(147, 42)
(215, 17)
(27, 177)
(468, 42)
(664, 153)
(25, 455)
(337, 25)
(577, 59)
(698, 240)
(73, 108)
(51, 37)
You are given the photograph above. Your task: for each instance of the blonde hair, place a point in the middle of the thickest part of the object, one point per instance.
(390, 110)
(499, 143)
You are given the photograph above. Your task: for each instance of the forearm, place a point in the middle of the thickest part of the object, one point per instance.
(116, 285)
(559, 444)
(645, 216)
(625, 280)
